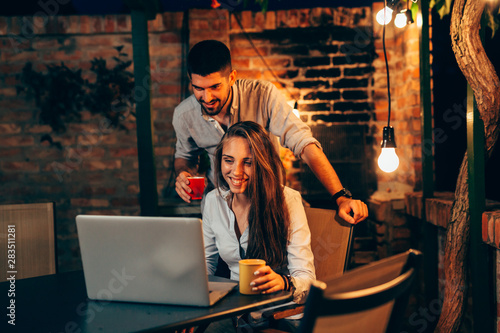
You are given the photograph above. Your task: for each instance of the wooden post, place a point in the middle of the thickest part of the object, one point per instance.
(429, 231)
(480, 256)
(145, 147)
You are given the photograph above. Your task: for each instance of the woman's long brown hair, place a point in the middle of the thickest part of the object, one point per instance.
(268, 219)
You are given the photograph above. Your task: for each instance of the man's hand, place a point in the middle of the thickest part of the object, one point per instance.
(320, 165)
(181, 186)
(357, 207)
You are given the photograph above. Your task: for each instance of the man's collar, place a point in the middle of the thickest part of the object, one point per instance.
(234, 103)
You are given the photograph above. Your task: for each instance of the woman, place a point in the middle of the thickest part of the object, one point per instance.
(252, 215)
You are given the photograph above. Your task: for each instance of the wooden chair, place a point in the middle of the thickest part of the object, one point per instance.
(331, 239)
(371, 298)
(34, 236)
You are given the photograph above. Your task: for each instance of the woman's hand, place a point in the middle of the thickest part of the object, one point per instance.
(268, 281)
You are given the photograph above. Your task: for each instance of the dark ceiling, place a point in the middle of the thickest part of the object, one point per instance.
(100, 7)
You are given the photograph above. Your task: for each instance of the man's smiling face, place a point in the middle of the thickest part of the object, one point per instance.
(213, 91)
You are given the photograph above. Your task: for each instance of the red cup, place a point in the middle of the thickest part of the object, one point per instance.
(197, 185)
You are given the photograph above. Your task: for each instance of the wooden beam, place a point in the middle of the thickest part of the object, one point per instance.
(480, 254)
(426, 104)
(149, 7)
(429, 231)
(147, 170)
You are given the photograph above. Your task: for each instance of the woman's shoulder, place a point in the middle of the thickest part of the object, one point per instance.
(290, 191)
(291, 194)
(217, 195)
(215, 204)
(212, 194)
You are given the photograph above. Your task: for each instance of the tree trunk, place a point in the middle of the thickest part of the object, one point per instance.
(481, 76)
(475, 65)
(456, 256)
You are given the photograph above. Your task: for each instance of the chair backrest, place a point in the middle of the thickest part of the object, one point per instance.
(330, 242)
(27, 240)
(371, 298)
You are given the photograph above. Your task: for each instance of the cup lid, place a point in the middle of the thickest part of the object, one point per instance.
(252, 262)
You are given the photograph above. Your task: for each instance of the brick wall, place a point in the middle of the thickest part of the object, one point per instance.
(96, 171)
(322, 57)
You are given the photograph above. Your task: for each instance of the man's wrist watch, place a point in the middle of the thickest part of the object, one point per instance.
(342, 193)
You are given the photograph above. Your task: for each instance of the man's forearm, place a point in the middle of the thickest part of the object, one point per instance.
(321, 167)
(181, 164)
(353, 211)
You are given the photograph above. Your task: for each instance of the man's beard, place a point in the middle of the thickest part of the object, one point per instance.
(212, 112)
(215, 112)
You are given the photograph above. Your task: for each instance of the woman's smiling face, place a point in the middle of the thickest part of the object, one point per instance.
(236, 164)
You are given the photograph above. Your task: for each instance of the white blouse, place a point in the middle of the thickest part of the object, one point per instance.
(220, 239)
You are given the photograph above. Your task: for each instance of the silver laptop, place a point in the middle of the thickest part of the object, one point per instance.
(146, 259)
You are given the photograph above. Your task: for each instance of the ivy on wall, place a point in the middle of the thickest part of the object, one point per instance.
(61, 93)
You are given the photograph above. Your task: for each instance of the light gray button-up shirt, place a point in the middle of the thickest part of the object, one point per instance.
(253, 100)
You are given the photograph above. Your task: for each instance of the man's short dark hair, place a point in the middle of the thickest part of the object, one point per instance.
(207, 57)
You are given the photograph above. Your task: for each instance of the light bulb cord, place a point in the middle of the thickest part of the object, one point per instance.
(386, 69)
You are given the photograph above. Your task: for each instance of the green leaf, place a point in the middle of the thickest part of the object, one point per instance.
(263, 4)
(436, 4)
(446, 9)
(414, 11)
(492, 21)
(442, 7)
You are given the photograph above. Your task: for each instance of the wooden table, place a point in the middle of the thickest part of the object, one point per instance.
(58, 303)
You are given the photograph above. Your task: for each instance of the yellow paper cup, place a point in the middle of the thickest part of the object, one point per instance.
(247, 268)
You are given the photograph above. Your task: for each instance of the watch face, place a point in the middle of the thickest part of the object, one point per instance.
(347, 193)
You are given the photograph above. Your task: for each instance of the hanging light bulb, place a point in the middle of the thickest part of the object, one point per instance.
(384, 16)
(404, 17)
(401, 19)
(388, 160)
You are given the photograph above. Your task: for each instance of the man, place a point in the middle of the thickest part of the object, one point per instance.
(219, 100)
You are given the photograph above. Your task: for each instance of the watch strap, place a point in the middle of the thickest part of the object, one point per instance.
(342, 193)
